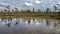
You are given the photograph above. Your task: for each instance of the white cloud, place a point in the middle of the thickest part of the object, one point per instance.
(59, 2)
(38, 2)
(28, 4)
(5, 3)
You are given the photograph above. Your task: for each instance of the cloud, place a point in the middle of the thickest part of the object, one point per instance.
(59, 2)
(5, 4)
(2, 7)
(28, 4)
(37, 2)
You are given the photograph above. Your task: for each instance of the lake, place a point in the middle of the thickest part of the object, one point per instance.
(29, 26)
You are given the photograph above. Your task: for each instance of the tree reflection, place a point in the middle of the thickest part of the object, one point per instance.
(17, 21)
(10, 19)
(5, 21)
(41, 21)
(55, 24)
(47, 22)
(29, 21)
(8, 24)
(2, 19)
(33, 20)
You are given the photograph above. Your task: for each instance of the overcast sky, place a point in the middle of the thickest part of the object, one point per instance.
(29, 4)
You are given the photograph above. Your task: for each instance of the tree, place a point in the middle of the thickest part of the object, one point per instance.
(1, 10)
(28, 11)
(33, 10)
(12, 10)
(8, 7)
(47, 10)
(22, 10)
(16, 10)
(59, 13)
(58, 9)
(39, 10)
(5, 10)
(55, 7)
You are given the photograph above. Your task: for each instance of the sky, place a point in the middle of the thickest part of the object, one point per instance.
(30, 4)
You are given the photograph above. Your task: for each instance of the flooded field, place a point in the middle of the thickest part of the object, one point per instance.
(29, 26)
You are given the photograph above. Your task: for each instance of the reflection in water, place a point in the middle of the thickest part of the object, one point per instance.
(28, 25)
(29, 21)
(8, 24)
(47, 22)
(10, 19)
(17, 21)
(55, 24)
(33, 20)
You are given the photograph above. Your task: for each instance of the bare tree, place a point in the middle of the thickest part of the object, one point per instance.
(16, 9)
(55, 8)
(8, 7)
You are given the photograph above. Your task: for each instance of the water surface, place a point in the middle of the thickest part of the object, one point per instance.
(29, 26)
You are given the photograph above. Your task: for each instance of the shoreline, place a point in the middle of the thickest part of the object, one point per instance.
(49, 15)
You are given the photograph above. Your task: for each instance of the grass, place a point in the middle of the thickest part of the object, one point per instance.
(53, 15)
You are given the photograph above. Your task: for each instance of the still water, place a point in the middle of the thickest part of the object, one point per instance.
(29, 26)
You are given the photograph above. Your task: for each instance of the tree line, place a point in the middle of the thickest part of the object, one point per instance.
(17, 11)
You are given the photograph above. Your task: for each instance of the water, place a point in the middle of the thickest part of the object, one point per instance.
(29, 26)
